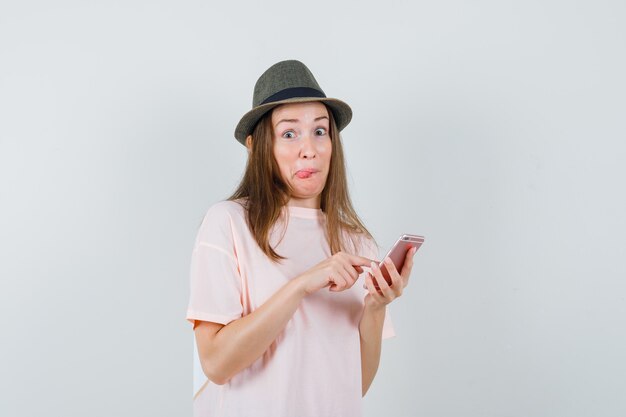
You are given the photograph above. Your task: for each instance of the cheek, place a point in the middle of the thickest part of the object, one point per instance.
(283, 159)
(326, 151)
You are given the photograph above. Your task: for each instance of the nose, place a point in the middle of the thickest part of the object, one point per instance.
(308, 150)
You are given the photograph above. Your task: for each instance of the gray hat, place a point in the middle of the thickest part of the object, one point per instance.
(287, 82)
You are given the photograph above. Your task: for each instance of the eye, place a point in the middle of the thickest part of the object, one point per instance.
(289, 134)
(320, 131)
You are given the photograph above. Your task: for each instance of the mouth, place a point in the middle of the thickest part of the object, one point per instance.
(306, 173)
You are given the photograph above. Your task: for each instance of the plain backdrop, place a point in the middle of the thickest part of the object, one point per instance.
(494, 128)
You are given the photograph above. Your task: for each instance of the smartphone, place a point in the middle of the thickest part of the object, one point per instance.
(398, 252)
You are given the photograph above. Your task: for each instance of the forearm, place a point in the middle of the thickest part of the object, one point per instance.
(238, 344)
(371, 330)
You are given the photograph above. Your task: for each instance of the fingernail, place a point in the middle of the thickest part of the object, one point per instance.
(388, 260)
(373, 265)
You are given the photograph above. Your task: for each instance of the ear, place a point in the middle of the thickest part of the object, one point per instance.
(249, 143)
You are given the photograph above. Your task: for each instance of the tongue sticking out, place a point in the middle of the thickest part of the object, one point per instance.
(303, 174)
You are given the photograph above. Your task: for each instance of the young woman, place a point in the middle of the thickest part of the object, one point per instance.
(287, 321)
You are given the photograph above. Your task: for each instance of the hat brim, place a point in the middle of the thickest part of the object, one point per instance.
(341, 112)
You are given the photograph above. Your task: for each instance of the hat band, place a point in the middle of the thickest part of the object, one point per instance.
(293, 92)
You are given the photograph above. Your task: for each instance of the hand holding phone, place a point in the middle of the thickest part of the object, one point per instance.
(398, 252)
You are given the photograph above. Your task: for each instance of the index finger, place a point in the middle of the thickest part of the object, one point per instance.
(356, 260)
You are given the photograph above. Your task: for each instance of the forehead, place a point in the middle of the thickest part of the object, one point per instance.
(300, 111)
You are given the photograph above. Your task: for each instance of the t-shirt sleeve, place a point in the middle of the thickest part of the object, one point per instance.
(215, 282)
(371, 251)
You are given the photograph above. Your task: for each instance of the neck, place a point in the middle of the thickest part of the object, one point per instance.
(313, 202)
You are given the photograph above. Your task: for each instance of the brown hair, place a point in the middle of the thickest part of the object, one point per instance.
(263, 192)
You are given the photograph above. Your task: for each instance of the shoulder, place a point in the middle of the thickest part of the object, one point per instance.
(222, 218)
(369, 247)
(226, 209)
(361, 244)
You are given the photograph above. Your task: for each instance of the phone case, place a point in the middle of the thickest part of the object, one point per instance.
(398, 252)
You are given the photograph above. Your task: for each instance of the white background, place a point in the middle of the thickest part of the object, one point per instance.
(494, 128)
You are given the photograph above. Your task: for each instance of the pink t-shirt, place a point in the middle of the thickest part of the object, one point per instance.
(313, 368)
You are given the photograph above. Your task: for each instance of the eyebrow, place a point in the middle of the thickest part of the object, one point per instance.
(296, 120)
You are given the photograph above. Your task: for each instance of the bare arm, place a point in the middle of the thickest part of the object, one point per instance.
(371, 331)
(226, 350)
(371, 326)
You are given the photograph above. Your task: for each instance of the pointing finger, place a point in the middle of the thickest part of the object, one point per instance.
(359, 260)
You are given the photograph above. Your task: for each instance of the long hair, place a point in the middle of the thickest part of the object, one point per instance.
(264, 193)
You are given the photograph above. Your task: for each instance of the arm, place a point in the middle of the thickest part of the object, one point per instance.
(371, 331)
(371, 325)
(226, 350)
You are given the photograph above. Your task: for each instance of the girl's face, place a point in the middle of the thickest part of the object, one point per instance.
(302, 149)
